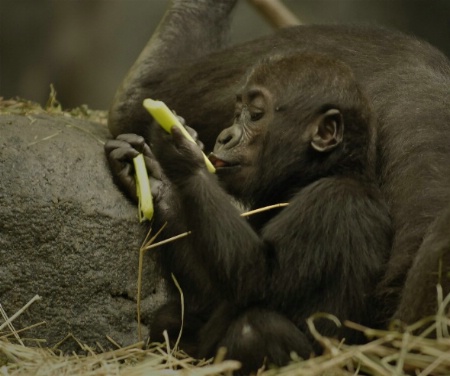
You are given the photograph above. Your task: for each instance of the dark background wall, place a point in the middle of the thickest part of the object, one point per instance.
(84, 47)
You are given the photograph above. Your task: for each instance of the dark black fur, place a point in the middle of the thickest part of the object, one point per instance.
(251, 285)
(407, 83)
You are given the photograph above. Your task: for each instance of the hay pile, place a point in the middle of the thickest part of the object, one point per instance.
(388, 353)
(21, 106)
(130, 361)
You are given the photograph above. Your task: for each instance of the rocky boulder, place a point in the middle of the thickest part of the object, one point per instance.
(68, 235)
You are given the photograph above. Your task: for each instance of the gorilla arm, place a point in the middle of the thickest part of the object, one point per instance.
(224, 243)
(331, 243)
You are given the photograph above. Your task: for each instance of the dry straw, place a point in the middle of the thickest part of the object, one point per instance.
(389, 353)
(400, 351)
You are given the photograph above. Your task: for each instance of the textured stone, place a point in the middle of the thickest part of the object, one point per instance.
(68, 235)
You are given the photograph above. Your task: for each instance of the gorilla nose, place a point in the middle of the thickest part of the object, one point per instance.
(228, 138)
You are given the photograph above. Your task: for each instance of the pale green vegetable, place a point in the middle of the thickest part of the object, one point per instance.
(167, 119)
(143, 191)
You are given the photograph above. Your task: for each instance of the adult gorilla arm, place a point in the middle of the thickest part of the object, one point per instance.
(187, 31)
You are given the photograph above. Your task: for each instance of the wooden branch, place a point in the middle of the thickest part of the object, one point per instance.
(275, 12)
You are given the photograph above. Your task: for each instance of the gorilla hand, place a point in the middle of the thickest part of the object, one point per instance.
(120, 153)
(179, 157)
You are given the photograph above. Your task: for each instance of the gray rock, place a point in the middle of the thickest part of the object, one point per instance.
(68, 235)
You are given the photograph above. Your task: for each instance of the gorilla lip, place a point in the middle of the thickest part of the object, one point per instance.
(220, 163)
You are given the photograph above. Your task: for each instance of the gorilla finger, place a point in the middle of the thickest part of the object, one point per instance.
(194, 135)
(131, 138)
(127, 180)
(159, 133)
(153, 167)
(120, 161)
(178, 138)
(185, 148)
(147, 152)
(110, 145)
(123, 154)
(116, 162)
(136, 141)
(181, 119)
(192, 132)
(156, 186)
(123, 174)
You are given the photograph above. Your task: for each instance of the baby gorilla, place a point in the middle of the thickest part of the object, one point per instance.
(302, 134)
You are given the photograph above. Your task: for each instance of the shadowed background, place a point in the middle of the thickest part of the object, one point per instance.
(85, 47)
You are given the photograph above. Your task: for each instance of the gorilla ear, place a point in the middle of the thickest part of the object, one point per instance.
(328, 131)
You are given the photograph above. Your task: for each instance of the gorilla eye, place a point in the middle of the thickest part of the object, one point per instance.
(255, 116)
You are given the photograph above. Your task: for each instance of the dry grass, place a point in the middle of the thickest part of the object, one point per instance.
(131, 361)
(20, 106)
(134, 360)
(388, 353)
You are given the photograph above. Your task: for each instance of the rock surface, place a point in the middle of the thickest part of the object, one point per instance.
(68, 235)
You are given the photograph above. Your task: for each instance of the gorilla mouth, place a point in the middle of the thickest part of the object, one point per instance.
(220, 163)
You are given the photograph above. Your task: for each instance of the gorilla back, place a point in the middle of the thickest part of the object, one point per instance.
(407, 82)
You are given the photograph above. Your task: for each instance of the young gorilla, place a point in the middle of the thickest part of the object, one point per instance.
(302, 134)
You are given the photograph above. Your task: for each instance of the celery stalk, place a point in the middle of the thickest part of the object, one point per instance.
(167, 119)
(145, 208)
